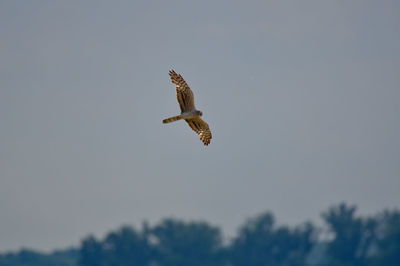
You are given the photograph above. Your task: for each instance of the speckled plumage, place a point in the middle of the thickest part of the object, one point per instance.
(189, 113)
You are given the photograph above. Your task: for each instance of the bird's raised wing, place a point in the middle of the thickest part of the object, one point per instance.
(184, 94)
(201, 128)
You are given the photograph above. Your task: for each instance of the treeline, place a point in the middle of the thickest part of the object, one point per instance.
(346, 239)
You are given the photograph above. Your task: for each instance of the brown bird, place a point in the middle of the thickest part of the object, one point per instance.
(189, 113)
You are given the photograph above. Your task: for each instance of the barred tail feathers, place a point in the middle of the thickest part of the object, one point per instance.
(172, 119)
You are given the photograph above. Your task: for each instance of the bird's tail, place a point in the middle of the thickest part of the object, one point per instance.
(172, 119)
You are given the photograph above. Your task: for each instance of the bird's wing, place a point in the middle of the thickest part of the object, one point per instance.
(184, 94)
(201, 128)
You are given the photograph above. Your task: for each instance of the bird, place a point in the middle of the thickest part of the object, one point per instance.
(189, 113)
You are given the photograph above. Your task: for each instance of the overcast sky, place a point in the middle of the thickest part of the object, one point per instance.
(302, 97)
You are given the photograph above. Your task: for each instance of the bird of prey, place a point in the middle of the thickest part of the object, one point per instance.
(189, 113)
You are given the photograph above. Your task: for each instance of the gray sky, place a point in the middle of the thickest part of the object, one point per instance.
(302, 98)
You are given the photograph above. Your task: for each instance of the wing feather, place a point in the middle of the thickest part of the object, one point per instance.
(201, 128)
(184, 94)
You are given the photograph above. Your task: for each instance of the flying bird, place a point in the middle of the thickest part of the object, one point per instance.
(189, 113)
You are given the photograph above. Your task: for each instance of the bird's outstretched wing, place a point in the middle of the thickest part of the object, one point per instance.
(201, 128)
(184, 94)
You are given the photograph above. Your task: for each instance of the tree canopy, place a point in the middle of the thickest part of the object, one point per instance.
(354, 240)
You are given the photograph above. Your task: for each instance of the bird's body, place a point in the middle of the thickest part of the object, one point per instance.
(189, 113)
(185, 115)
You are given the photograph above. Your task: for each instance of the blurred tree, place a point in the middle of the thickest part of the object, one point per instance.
(27, 257)
(91, 252)
(259, 243)
(181, 244)
(120, 248)
(352, 236)
(127, 247)
(388, 240)
(356, 241)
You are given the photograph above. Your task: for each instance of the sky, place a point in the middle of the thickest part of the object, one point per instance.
(302, 98)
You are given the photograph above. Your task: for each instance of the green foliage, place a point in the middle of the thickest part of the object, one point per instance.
(352, 236)
(388, 239)
(179, 244)
(123, 247)
(261, 243)
(171, 242)
(356, 241)
(32, 258)
(91, 252)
